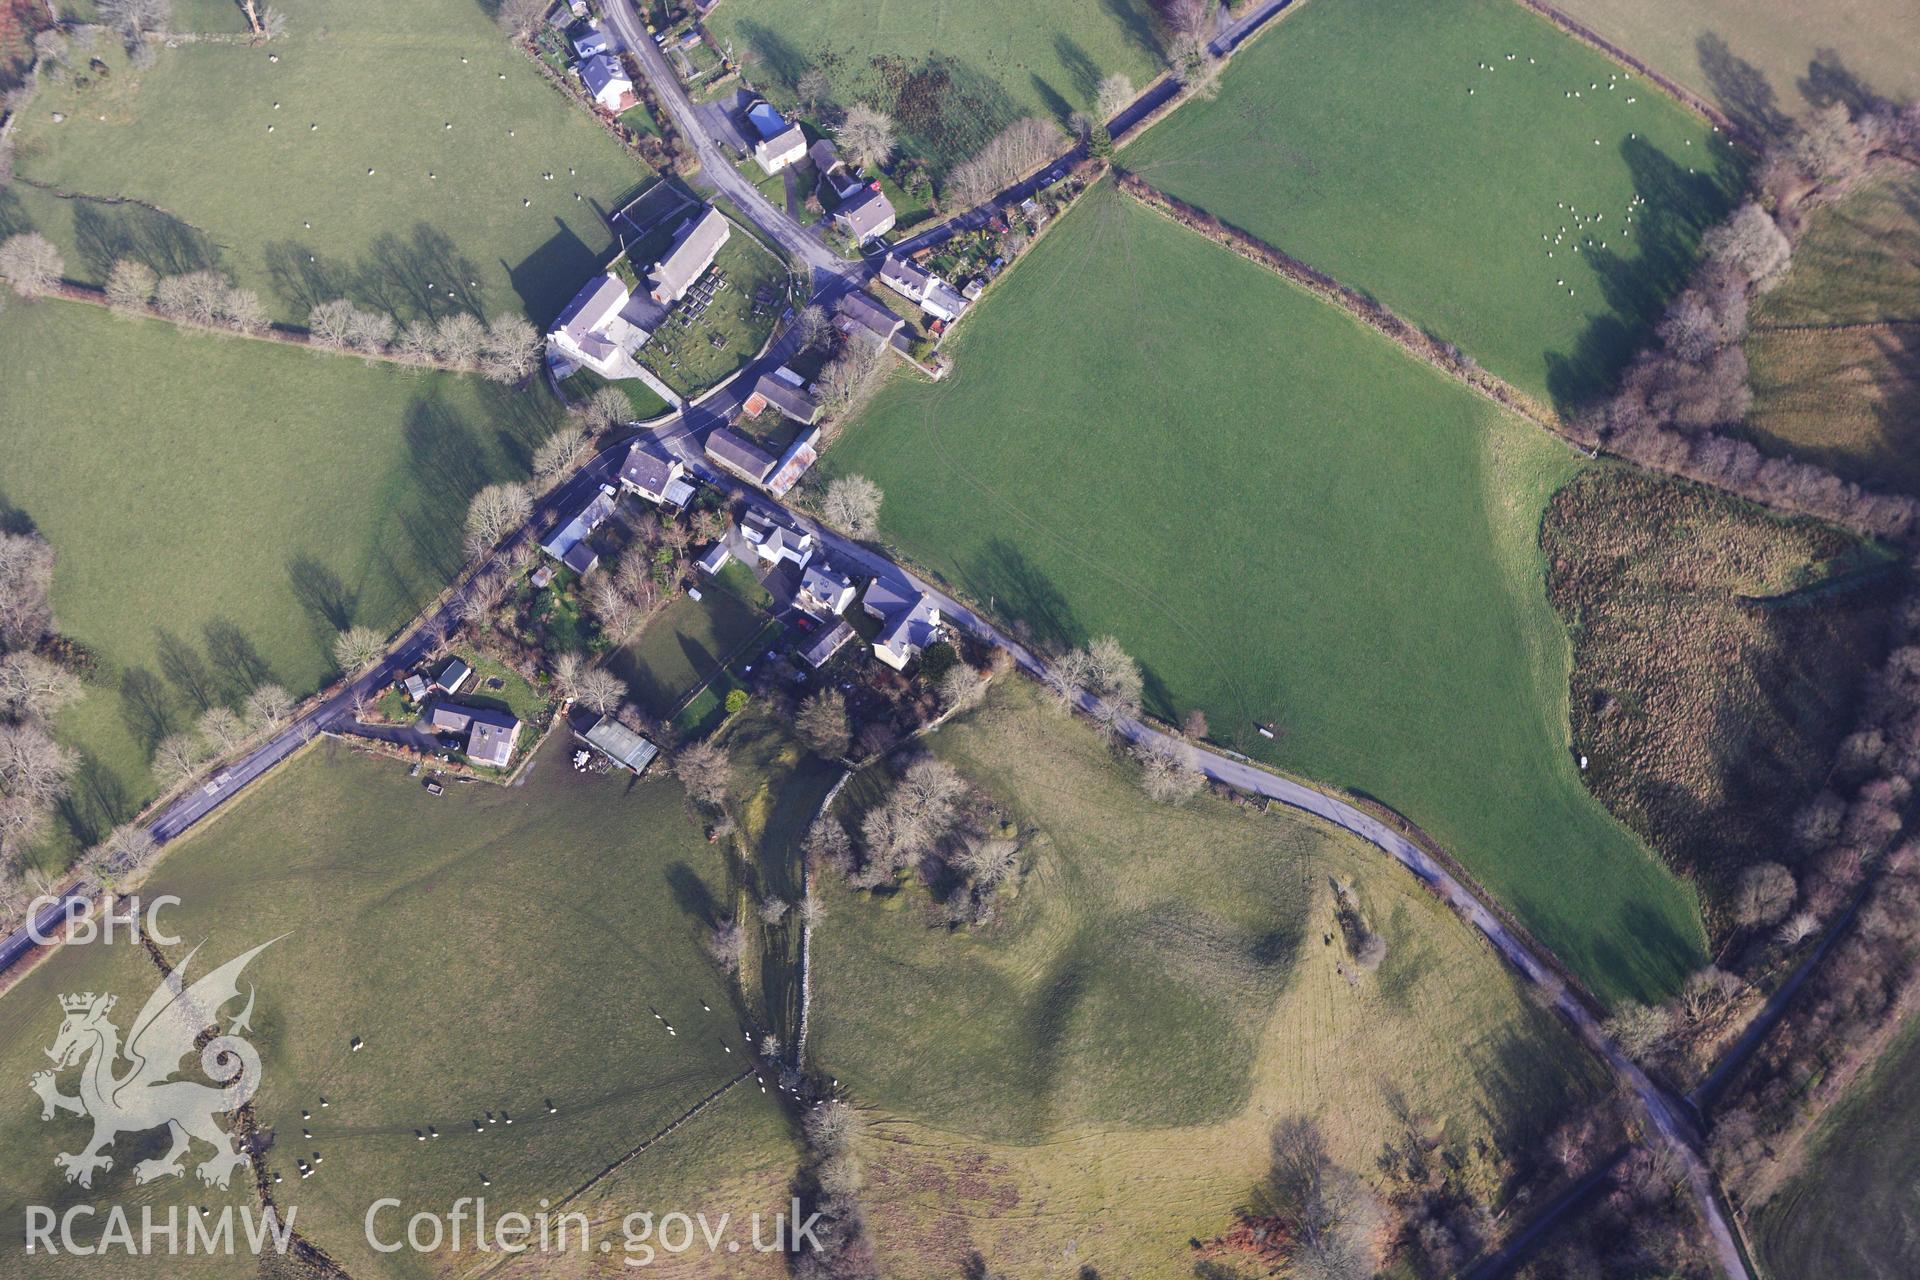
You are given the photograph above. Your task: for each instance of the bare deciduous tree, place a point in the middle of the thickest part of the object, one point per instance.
(133, 17)
(1022, 146)
(1167, 770)
(128, 846)
(773, 910)
(561, 452)
(358, 647)
(30, 263)
(705, 771)
(269, 706)
(520, 18)
(812, 327)
(1752, 242)
(459, 338)
(26, 579)
(813, 88)
(177, 758)
(496, 511)
(1797, 928)
(1114, 95)
(243, 311)
(600, 689)
(510, 350)
(822, 724)
(850, 378)
(866, 135)
(853, 503)
(369, 331)
(34, 688)
(331, 322)
(606, 408)
(1764, 894)
(221, 728)
(962, 688)
(130, 286)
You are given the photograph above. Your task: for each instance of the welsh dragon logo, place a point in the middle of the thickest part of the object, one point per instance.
(145, 1095)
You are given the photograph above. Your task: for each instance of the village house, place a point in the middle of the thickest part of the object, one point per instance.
(600, 329)
(657, 479)
(839, 180)
(784, 390)
(779, 143)
(607, 81)
(695, 246)
(824, 590)
(590, 42)
(862, 315)
(916, 284)
(713, 559)
(568, 544)
(865, 214)
(735, 453)
(910, 621)
(625, 748)
(776, 540)
(489, 734)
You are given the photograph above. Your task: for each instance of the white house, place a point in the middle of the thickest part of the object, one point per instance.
(597, 330)
(916, 284)
(775, 541)
(648, 474)
(910, 622)
(782, 149)
(608, 82)
(824, 589)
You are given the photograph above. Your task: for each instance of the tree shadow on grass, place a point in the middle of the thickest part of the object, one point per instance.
(304, 279)
(1679, 206)
(692, 896)
(321, 593)
(13, 215)
(1056, 105)
(421, 277)
(775, 54)
(1016, 589)
(1134, 19)
(238, 667)
(1080, 68)
(1829, 80)
(186, 670)
(103, 234)
(1741, 88)
(96, 802)
(14, 519)
(145, 706)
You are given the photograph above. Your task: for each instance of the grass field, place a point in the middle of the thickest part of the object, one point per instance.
(1718, 657)
(190, 138)
(682, 645)
(220, 508)
(1852, 1211)
(951, 72)
(494, 948)
(1835, 349)
(1348, 137)
(1758, 60)
(1283, 518)
(1092, 1080)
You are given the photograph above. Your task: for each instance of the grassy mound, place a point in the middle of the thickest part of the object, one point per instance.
(1157, 992)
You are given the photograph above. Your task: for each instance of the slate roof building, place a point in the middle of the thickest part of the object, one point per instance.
(648, 474)
(740, 455)
(599, 329)
(608, 83)
(490, 734)
(694, 248)
(568, 543)
(830, 640)
(784, 390)
(865, 214)
(861, 314)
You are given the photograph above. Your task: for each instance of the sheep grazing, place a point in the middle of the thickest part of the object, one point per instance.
(369, 173)
(526, 204)
(356, 1044)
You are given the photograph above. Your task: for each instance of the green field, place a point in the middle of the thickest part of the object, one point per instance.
(494, 948)
(1156, 995)
(190, 138)
(1852, 1210)
(951, 72)
(220, 508)
(1283, 518)
(1758, 60)
(1348, 138)
(1835, 348)
(684, 644)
